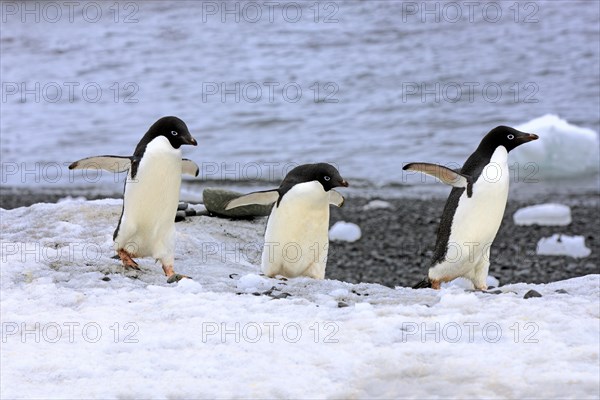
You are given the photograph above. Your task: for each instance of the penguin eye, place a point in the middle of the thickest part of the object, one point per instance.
(327, 178)
(174, 133)
(511, 136)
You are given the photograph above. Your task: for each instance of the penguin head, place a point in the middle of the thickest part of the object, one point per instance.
(507, 137)
(174, 129)
(326, 174)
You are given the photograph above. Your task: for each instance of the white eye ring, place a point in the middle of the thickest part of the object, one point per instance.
(326, 178)
(511, 136)
(174, 133)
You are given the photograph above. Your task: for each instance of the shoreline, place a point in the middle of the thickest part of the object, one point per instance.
(397, 242)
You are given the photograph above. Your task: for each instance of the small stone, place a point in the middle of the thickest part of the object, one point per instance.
(561, 291)
(341, 304)
(281, 296)
(532, 293)
(190, 212)
(497, 291)
(106, 279)
(182, 206)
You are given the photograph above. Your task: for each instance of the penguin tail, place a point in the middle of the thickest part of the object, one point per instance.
(423, 284)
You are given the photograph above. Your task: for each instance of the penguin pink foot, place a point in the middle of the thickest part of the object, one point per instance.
(127, 260)
(173, 277)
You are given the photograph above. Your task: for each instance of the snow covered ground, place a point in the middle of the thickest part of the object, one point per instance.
(74, 325)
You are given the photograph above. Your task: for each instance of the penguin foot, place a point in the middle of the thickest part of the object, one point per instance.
(177, 277)
(172, 277)
(127, 261)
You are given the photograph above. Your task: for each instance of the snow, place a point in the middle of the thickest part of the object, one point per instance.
(75, 325)
(344, 232)
(563, 150)
(543, 214)
(464, 283)
(376, 205)
(563, 245)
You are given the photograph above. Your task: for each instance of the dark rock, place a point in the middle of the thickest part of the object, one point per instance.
(204, 213)
(190, 212)
(182, 206)
(561, 291)
(215, 201)
(341, 304)
(180, 216)
(281, 296)
(106, 279)
(532, 293)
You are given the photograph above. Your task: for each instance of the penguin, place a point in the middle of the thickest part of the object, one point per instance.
(474, 209)
(146, 227)
(296, 236)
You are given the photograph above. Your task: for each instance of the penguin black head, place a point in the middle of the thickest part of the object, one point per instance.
(507, 137)
(174, 129)
(326, 174)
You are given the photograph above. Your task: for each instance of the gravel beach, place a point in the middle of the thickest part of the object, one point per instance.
(397, 242)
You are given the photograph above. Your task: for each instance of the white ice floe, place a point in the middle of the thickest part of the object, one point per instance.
(75, 325)
(563, 245)
(377, 205)
(563, 150)
(543, 214)
(344, 232)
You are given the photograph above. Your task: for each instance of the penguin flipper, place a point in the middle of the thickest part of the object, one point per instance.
(335, 198)
(444, 174)
(263, 198)
(189, 167)
(108, 163)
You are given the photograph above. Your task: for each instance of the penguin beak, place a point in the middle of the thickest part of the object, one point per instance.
(343, 183)
(191, 141)
(527, 137)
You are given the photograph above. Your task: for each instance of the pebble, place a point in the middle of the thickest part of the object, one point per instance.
(532, 293)
(182, 206)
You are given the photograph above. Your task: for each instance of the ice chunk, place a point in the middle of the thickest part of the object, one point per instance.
(543, 214)
(563, 245)
(344, 231)
(253, 283)
(563, 150)
(376, 204)
(492, 281)
(189, 286)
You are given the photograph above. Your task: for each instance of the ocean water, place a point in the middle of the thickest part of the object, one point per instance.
(366, 85)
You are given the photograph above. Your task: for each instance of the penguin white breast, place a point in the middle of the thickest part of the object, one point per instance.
(297, 231)
(477, 218)
(150, 200)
